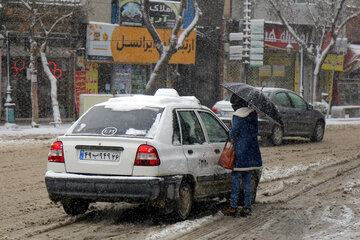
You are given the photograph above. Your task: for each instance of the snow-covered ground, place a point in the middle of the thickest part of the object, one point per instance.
(269, 174)
(50, 129)
(15, 129)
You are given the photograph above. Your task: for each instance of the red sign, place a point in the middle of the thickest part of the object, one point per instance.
(279, 37)
(80, 86)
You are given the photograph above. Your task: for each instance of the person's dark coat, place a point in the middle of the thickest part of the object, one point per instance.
(244, 131)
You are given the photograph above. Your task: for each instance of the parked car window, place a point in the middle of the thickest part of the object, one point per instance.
(191, 131)
(104, 121)
(176, 130)
(214, 129)
(283, 99)
(298, 101)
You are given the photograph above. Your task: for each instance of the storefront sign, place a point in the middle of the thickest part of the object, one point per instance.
(279, 37)
(279, 59)
(92, 77)
(112, 43)
(265, 71)
(297, 75)
(278, 71)
(86, 82)
(333, 62)
(162, 13)
(80, 87)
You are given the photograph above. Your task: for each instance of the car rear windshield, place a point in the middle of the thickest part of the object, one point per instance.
(107, 122)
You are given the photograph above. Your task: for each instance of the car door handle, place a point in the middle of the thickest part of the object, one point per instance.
(217, 151)
(190, 151)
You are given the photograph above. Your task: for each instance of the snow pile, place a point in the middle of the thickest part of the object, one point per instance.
(274, 173)
(181, 227)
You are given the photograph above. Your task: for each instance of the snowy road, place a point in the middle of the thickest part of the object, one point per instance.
(308, 191)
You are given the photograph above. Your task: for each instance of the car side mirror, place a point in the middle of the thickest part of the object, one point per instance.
(310, 107)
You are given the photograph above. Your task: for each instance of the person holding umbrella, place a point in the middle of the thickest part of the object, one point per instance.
(244, 132)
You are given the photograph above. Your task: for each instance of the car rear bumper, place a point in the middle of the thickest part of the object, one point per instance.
(111, 188)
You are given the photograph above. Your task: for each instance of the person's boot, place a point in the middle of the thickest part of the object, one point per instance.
(244, 212)
(233, 212)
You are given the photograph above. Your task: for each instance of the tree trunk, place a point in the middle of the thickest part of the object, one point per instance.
(34, 97)
(53, 88)
(158, 76)
(315, 80)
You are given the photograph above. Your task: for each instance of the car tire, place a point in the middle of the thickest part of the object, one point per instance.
(318, 133)
(184, 204)
(75, 206)
(277, 135)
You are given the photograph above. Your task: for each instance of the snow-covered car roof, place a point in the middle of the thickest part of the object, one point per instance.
(162, 98)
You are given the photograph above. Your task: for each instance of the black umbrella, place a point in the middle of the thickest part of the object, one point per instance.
(255, 98)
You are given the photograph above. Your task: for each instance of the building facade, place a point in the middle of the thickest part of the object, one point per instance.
(85, 60)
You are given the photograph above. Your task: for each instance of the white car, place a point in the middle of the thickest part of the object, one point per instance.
(161, 150)
(224, 110)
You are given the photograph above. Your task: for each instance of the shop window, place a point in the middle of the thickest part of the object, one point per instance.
(138, 79)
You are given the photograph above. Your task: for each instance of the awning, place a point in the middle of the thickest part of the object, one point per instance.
(352, 58)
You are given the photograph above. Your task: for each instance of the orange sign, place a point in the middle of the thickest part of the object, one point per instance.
(135, 45)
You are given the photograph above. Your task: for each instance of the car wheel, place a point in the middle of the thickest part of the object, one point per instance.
(75, 206)
(277, 135)
(318, 133)
(184, 203)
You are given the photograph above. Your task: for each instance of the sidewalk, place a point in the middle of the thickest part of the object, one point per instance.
(27, 129)
(332, 121)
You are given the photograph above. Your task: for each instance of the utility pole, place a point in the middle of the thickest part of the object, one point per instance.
(9, 105)
(247, 38)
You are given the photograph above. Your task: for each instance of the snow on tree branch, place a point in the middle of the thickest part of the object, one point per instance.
(158, 75)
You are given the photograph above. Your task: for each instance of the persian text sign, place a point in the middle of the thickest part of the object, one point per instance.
(86, 82)
(279, 37)
(163, 14)
(80, 86)
(333, 62)
(133, 45)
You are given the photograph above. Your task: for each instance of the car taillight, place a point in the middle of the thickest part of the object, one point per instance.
(56, 153)
(147, 156)
(214, 109)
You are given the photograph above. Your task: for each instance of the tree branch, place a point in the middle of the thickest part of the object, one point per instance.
(146, 17)
(192, 25)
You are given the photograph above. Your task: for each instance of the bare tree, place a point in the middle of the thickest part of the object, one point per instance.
(328, 18)
(43, 18)
(166, 50)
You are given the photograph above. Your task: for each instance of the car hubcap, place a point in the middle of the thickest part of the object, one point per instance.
(277, 136)
(319, 132)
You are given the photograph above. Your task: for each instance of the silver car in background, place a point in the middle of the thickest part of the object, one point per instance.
(299, 117)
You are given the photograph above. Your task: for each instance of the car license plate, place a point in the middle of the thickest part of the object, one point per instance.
(99, 155)
(225, 114)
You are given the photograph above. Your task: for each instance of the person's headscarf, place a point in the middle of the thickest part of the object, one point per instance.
(237, 102)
